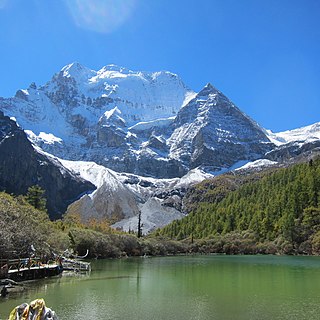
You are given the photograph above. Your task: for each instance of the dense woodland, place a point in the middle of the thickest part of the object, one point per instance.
(270, 212)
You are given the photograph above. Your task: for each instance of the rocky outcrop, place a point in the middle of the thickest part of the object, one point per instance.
(110, 136)
(292, 150)
(21, 166)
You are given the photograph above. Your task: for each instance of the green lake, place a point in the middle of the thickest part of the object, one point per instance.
(184, 287)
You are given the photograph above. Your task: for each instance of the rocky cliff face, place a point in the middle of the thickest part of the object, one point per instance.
(21, 166)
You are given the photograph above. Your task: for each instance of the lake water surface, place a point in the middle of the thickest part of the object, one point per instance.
(184, 287)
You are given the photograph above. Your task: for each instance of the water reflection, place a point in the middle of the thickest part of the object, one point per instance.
(192, 287)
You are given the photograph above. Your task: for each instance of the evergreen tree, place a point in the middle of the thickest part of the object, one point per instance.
(140, 225)
(35, 196)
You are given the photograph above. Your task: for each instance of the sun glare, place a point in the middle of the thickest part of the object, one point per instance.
(3, 3)
(103, 16)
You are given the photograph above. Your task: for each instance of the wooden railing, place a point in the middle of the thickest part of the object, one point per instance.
(18, 264)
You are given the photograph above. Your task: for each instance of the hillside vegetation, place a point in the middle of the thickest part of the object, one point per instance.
(27, 231)
(275, 212)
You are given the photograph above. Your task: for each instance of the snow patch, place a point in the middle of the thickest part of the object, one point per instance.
(261, 163)
(90, 171)
(189, 97)
(193, 176)
(141, 126)
(110, 113)
(235, 166)
(44, 137)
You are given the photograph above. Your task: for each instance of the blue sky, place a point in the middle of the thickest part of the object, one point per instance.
(264, 55)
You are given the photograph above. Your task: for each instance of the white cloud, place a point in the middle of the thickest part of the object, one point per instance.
(103, 16)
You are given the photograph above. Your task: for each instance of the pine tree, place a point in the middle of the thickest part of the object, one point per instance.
(140, 225)
(35, 196)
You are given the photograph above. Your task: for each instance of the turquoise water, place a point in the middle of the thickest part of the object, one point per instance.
(190, 287)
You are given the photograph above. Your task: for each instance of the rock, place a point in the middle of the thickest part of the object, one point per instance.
(21, 95)
(110, 137)
(294, 149)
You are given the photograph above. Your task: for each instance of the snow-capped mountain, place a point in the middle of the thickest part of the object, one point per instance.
(149, 124)
(143, 137)
(140, 96)
(81, 97)
(290, 144)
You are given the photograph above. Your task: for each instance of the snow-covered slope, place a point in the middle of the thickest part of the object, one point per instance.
(304, 134)
(257, 165)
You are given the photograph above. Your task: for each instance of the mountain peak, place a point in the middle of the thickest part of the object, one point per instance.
(209, 86)
(112, 116)
(77, 71)
(207, 90)
(72, 66)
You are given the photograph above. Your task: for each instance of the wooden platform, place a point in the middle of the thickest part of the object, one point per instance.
(28, 269)
(34, 272)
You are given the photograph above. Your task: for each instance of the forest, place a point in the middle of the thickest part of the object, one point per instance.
(277, 211)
